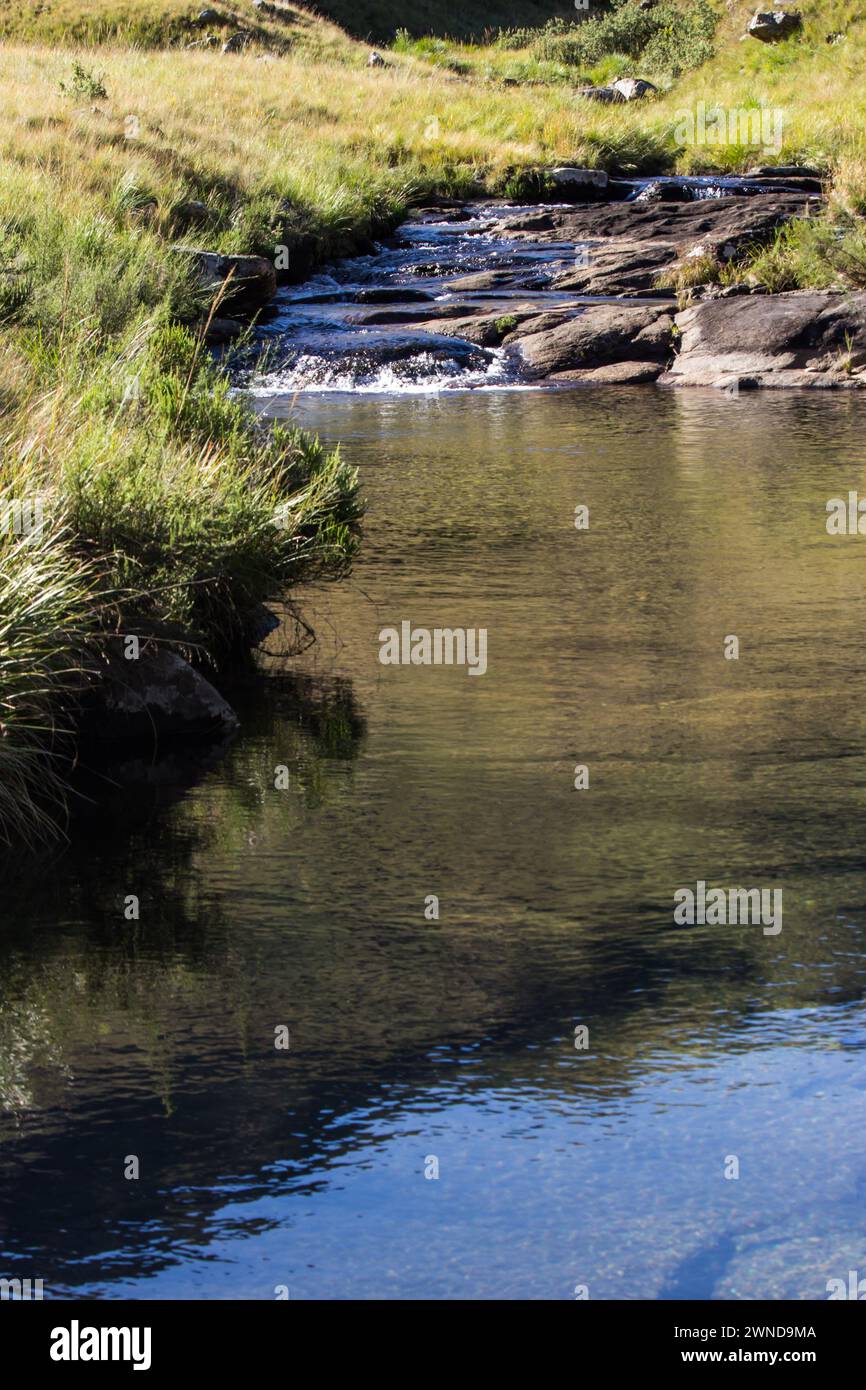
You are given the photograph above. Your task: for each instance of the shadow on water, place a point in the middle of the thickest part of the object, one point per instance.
(455, 1036)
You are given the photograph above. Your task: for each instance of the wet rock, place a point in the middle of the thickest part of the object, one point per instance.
(492, 280)
(728, 224)
(784, 171)
(395, 295)
(379, 317)
(506, 326)
(633, 88)
(615, 374)
(658, 192)
(600, 334)
(444, 213)
(771, 25)
(527, 222)
(250, 280)
(781, 339)
(156, 696)
(221, 330)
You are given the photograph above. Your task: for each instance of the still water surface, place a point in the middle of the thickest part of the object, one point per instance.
(455, 1038)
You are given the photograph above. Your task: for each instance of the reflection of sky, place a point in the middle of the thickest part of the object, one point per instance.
(452, 1038)
(536, 1195)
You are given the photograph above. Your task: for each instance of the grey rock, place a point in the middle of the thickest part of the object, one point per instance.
(633, 88)
(614, 374)
(600, 334)
(238, 42)
(159, 694)
(213, 17)
(619, 268)
(771, 25)
(819, 339)
(192, 214)
(570, 179)
(221, 330)
(609, 96)
(253, 279)
(376, 60)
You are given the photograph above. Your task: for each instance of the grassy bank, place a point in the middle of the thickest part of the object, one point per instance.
(168, 510)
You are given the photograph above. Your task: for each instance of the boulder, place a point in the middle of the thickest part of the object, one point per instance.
(218, 331)
(213, 17)
(252, 280)
(771, 25)
(633, 88)
(375, 60)
(238, 42)
(607, 95)
(773, 339)
(600, 334)
(578, 182)
(192, 214)
(155, 696)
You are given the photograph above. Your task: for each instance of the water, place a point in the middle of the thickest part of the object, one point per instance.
(454, 1040)
(360, 326)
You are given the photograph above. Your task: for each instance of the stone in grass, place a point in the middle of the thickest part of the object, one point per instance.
(250, 281)
(771, 25)
(633, 88)
(238, 42)
(607, 95)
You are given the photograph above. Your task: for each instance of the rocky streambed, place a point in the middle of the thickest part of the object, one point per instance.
(495, 295)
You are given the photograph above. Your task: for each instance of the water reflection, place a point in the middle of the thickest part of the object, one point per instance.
(455, 1038)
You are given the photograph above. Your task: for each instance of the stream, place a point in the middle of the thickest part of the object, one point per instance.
(436, 1129)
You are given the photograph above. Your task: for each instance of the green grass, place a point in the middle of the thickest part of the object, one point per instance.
(170, 509)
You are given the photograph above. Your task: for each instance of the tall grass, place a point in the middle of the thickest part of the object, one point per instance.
(48, 612)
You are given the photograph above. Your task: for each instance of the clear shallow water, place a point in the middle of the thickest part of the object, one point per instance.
(455, 1038)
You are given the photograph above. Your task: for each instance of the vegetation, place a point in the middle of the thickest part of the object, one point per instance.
(169, 507)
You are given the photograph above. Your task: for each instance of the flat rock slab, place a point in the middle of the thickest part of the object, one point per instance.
(598, 335)
(722, 222)
(619, 268)
(780, 339)
(614, 374)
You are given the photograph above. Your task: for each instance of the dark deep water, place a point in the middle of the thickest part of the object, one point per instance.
(454, 1038)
